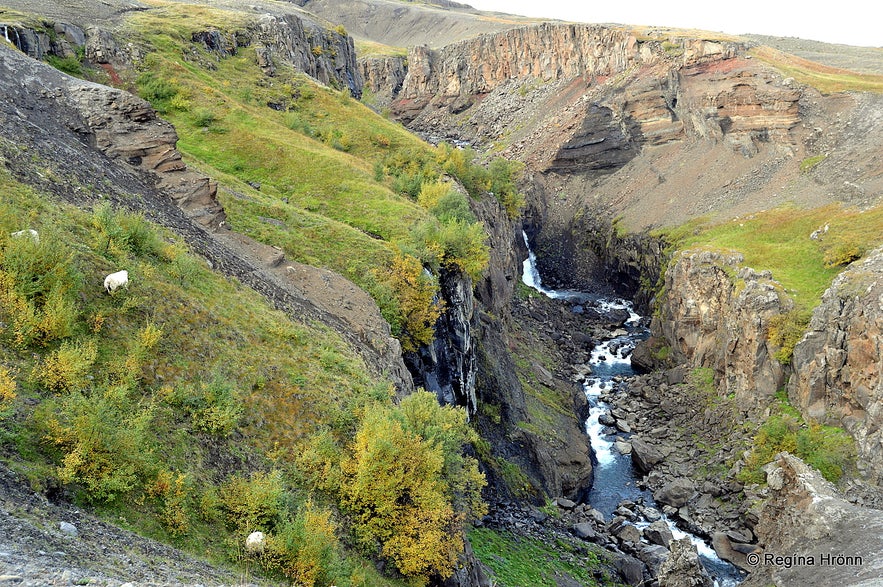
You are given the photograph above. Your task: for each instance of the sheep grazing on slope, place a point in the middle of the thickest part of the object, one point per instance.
(30, 232)
(116, 280)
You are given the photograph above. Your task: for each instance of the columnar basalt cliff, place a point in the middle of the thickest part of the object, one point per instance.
(838, 365)
(446, 366)
(715, 313)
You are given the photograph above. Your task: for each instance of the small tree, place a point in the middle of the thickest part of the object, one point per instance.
(409, 487)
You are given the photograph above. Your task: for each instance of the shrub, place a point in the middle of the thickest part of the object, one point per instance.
(213, 407)
(70, 65)
(157, 90)
(431, 193)
(785, 331)
(395, 492)
(39, 284)
(455, 245)
(255, 503)
(842, 254)
(121, 234)
(102, 440)
(303, 549)
(416, 299)
(204, 118)
(130, 369)
(408, 486)
(171, 490)
(830, 450)
(7, 388)
(68, 367)
(453, 206)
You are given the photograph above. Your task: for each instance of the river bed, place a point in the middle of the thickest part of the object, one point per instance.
(614, 475)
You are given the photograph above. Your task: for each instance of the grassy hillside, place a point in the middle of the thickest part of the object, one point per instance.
(174, 405)
(184, 406)
(779, 240)
(311, 170)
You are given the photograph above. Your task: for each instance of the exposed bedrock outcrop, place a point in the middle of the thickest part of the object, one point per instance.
(715, 313)
(470, 363)
(383, 78)
(578, 104)
(838, 365)
(447, 366)
(811, 536)
(326, 55)
(588, 97)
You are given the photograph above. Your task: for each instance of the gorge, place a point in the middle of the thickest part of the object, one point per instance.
(708, 179)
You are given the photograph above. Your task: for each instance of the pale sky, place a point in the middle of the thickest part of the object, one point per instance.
(850, 22)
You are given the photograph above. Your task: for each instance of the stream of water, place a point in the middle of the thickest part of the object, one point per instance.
(614, 476)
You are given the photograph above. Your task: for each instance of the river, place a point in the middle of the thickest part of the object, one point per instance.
(614, 476)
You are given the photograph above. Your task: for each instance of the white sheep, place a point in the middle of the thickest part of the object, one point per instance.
(255, 542)
(116, 280)
(30, 232)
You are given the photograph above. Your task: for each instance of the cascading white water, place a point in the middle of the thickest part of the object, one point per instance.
(614, 478)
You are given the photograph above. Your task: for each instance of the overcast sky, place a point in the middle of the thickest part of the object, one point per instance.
(851, 22)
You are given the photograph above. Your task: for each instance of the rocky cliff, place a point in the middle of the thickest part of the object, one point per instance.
(811, 536)
(279, 39)
(838, 364)
(645, 127)
(715, 313)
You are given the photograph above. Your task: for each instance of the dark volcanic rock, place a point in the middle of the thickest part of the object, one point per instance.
(645, 456)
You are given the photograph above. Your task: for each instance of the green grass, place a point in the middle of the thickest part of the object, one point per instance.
(309, 169)
(518, 561)
(191, 374)
(778, 240)
(824, 78)
(829, 449)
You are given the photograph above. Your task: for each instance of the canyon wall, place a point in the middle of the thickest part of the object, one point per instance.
(325, 54)
(715, 313)
(838, 364)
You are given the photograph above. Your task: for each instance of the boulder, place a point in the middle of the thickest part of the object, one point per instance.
(565, 503)
(585, 531)
(682, 568)
(630, 569)
(645, 456)
(68, 529)
(628, 533)
(658, 533)
(653, 556)
(676, 493)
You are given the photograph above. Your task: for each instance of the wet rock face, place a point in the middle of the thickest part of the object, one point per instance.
(804, 517)
(447, 366)
(838, 365)
(715, 313)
